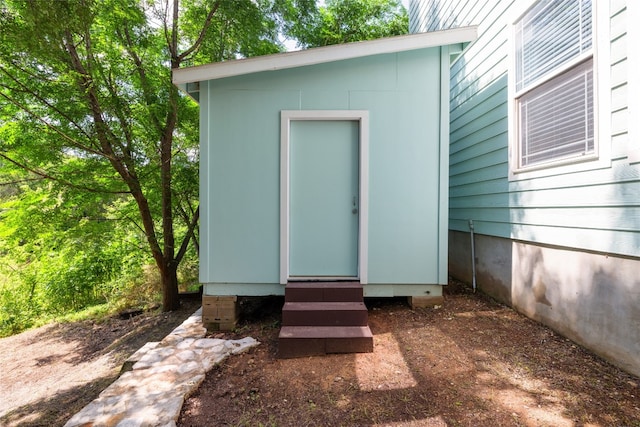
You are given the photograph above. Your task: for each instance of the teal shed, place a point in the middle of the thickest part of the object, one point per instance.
(328, 164)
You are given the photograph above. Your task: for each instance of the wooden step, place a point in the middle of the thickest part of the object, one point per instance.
(323, 291)
(302, 341)
(324, 317)
(324, 314)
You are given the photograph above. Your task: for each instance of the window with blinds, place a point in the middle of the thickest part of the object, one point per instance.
(554, 82)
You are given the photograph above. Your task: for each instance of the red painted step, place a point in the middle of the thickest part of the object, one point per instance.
(324, 317)
(324, 314)
(323, 291)
(302, 341)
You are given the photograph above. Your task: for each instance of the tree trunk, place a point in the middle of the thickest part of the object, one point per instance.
(125, 166)
(169, 279)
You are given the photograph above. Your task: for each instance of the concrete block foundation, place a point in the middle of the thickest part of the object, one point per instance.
(591, 298)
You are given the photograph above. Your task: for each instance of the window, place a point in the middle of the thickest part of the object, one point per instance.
(554, 87)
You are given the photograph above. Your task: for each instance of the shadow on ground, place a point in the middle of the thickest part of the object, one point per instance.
(470, 362)
(56, 410)
(98, 350)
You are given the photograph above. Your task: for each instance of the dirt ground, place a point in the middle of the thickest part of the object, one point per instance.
(470, 362)
(50, 373)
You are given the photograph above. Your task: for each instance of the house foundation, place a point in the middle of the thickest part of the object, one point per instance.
(591, 298)
(426, 301)
(220, 313)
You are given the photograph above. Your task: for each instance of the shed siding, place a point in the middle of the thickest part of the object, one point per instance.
(240, 233)
(597, 209)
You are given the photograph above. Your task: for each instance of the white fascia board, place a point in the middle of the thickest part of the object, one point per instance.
(279, 61)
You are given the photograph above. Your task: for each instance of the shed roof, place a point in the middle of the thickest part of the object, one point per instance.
(319, 55)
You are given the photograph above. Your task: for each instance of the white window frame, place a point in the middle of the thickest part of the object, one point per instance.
(633, 59)
(601, 156)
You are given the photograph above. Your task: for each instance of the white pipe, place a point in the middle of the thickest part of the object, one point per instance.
(473, 255)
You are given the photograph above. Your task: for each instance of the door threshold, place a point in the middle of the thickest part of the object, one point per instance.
(323, 278)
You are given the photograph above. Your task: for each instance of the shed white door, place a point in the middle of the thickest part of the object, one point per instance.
(324, 205)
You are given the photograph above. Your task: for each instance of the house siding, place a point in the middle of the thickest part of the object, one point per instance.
(240, 169)
(562, 247)
(597, 209)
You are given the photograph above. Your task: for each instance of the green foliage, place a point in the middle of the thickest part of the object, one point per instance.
(345, 21)
(62, 251)
(87, 104)
(19, 304)
(99, 152)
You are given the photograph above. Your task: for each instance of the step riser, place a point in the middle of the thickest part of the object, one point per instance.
(324, 292)
(312, 294)
(303, 347)
(325, 318)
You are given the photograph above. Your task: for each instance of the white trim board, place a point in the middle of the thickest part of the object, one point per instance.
(443, 190)
(362, 117)
(320, 55)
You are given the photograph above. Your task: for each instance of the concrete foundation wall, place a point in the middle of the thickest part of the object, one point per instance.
(593, 299)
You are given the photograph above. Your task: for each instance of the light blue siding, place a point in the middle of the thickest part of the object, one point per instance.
(403, 219)
(597, 209)
(240, 184)
(240, 167)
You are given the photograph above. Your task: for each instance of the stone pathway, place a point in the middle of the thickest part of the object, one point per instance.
(158, 378)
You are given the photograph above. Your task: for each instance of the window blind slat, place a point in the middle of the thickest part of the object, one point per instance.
(556, 115)
(553, 117)
(552, 33)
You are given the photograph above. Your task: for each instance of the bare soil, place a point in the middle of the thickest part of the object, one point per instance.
(50, 373)
(470, 362)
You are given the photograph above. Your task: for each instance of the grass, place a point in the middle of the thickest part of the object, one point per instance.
(24, 306)
(96, 312)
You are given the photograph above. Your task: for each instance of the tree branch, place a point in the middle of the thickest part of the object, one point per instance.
(188, 236)
(20, 181)
(73, 141)
(125, 149)
(173, 47)
(105, 136)
(48, 104)
(142, 73)
(134, 222)
(62, 181)
(185, 217)
(165, 27)
(203, 32)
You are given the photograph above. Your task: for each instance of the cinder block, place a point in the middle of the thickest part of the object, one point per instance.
(221, 301)
(422, 302)
(219, 326)
(212, 319)
(220, 310)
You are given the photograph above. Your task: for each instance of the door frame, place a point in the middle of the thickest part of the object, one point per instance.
(360, 116)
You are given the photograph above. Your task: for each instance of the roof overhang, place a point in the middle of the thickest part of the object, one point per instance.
(184, 77)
